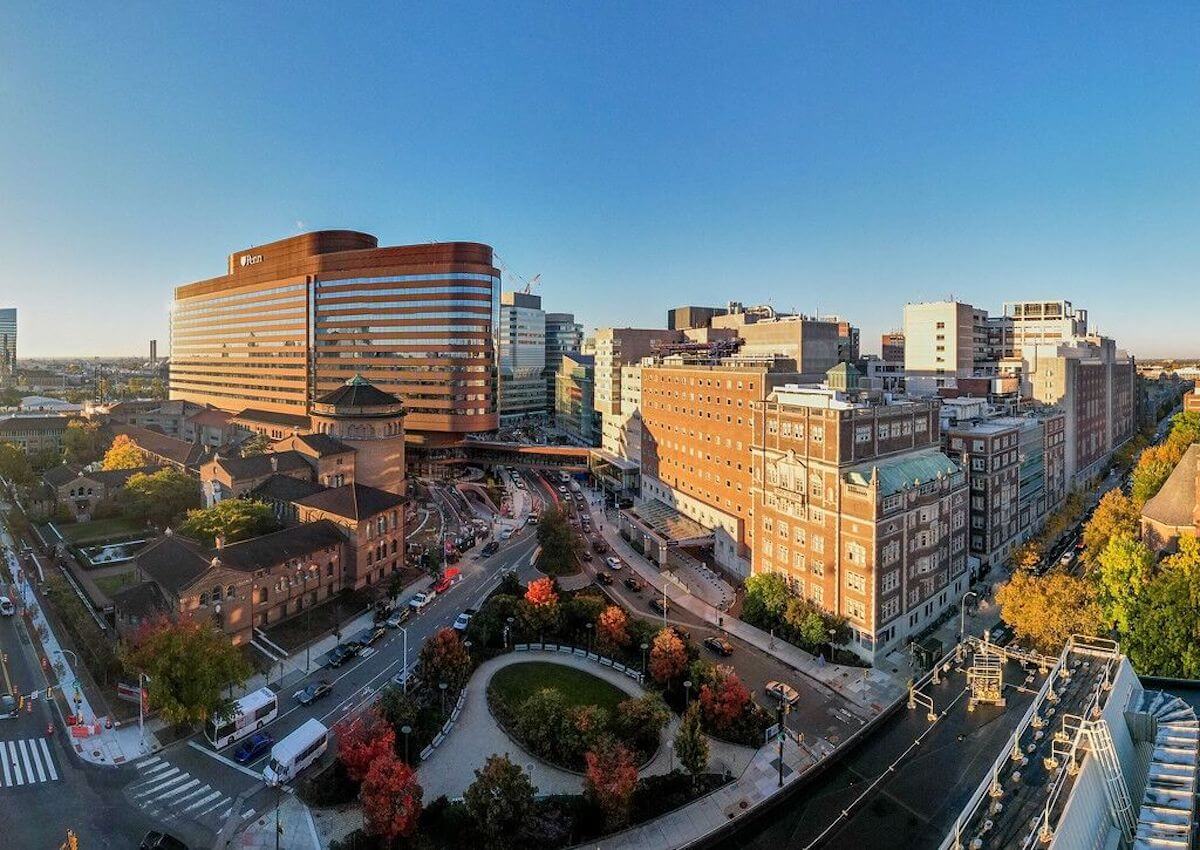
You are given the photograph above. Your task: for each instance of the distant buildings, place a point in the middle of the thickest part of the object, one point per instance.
(681, 318)
(8, 344)
(294, 319)
(521, 353)
(893, 347)
(574, 408)
(616, 348)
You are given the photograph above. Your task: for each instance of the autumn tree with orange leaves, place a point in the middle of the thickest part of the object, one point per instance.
(362, 740)
(612, 628)
(610, 780)
(668, 657)
(391, 798)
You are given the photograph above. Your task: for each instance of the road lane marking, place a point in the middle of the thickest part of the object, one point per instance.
(208, 799)
(216, 805)
(7, 775)
(16, 763)
(166, 795)
(25, 758)
(176, 776)
(227, 762)
(203, 789)
(146, 762)
(37, 762)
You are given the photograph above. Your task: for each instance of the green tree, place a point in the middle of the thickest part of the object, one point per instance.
(231, 519)
(1114, 515)
(499, 802)
(560, 546)
(1125, 568)
(44, 458)
(765, 600)
(691, 747)
(123, 454)
(190, 664)
(82, 442)
(1049, 609)
(542, 724)
(1164, 622)
(161, 497)
(640, 720)
(14, 466)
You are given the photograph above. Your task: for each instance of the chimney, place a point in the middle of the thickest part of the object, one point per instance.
(219, 542)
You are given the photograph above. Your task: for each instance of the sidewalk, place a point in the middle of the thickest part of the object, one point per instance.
(870, 689)
(109, 746)
(298, 830)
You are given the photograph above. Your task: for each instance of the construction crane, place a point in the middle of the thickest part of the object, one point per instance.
(530, 284)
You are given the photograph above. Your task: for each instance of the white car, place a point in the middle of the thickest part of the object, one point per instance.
(418, 602)
(462, 621)
(505, 534)
(6, 606)
(782, 692)
(613, 563)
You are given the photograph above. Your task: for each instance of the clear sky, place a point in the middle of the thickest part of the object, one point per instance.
(837, 157)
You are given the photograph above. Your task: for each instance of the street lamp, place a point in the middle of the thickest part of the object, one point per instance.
(645, 646)
(442, 686)
(508, 630)
(962, 615)
(406, 729)
(687, 694)
(589, 627)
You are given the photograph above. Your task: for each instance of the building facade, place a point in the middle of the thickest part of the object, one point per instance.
(1044, 322)
(944, 341)
(615, 348)
(892, 347)
(574, 408)
(294, 319)
(857, 508)
(812, 344)
(521, 344)
(684, 318)
(563, 336)
(8, 344)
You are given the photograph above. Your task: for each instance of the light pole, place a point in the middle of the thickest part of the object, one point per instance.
(962, 615)
(406, 729)
(687, 694)
(590, 626)
(664, 602)
(141, 704)
(507, 630)
(442, 686)
(645, 646)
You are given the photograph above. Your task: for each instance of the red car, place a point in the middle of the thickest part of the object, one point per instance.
(449, 578)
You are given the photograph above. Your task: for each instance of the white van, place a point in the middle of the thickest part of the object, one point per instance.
(295, 752)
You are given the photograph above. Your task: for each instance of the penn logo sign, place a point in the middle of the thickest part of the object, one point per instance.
(251, 259)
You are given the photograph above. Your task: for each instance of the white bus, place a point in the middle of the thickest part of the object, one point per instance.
(246, 715)
(296, 752)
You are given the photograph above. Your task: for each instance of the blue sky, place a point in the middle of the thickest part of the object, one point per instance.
(837, 157)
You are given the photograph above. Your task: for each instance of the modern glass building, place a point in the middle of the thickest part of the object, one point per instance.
(563, 336)
(522, 355)
(8, 342)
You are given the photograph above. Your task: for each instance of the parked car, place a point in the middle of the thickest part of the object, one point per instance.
(340, 654)
(253, 747)
(312, 692)
(633, 584)
(450, 577)
(490, 549)
(156, 840)
(783, 692)
(464, 619)
(8, 706)
(604, 579)
(6, 606)
(586, 555)
(657, 605)
(420, 601)
(367, 636)
(1001, 635)
(398, 618)
(719, 645)
(599, 545)
(506, 533)
(613, 563)
(684, 634)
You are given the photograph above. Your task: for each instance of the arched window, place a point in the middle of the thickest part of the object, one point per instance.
(217, 593)
(203, 600)
(230, 592)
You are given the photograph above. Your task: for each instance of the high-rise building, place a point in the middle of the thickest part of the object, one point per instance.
(574, 406)
(1043, 323)
(617, 347)
(521, 341)
(153, 351)
(8, 343)
(857, 507)
(813, 344)
(563, 335)
(849, 349)
(295, 319)
(892, 347)
(944, 341)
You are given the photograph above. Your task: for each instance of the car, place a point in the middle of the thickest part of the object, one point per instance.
(1001, 635)
(614, 563)
(781, 691)
(604, 579)
(312, 692)
(683, 633)
(463, 620)
(490, 549)
(156, 840)
(8, 706)
(562, 488)
(340, 654)
(633, 584)
(421, 600)
(253, 747)
(599, 545)
(586, 555)
(506, 533)
(398, 618)
(657, 605)
(367, 636)
(719, 645)
(533, 520)
(6, 606)
(450, 577)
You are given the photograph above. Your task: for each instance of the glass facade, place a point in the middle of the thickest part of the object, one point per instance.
(8, 342)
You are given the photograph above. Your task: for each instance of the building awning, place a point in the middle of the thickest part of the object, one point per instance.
(623, 464)
(669, 524)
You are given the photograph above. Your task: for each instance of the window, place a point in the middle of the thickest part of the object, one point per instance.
(889, 609)
(856, 610)
(856, 553)
(891, 580)
(856, 582)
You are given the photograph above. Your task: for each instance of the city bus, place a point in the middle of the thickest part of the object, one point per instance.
(242, 717)
(296, 752)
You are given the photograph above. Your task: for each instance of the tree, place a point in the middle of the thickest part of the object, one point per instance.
(190, 664)
(499, 801)
(558, 542)
(258, 444)
(1114, 515)
(541, 592)
(668, 656)
(445, 659)
(161, 497)
(585, 726)
(543, 725)
(766, 597)
(1164, 621)
(610, 780)
(44, 458)
(230, 519)
(123, 454)
(612, 628)
(1049, 609)
(1029, 554)
(398, 708)
(724, 701)
(81, 442)
(640, 721)
(362, 740)
(691, 747)
(391, 798)
(14, 466)
(1126, 567)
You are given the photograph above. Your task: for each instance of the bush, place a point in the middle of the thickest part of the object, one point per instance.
(332, 786)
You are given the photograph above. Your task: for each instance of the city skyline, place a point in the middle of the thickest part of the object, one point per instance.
(838, 161)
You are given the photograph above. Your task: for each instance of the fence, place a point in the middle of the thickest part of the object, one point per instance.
(447, 726)
(580, 652)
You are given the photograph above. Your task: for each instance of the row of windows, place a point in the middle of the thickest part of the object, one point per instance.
(206, 302)
(413, 310)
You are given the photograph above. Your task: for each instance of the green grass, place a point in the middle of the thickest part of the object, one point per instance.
(100, 530)
(517, 682)
(111, 584)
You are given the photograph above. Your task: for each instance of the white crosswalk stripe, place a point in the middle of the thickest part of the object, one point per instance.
(26, 762)
(163, 790)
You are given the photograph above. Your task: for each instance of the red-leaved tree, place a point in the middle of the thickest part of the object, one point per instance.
(612, 628)
(363, 740)
(723, 702)
(610, 779)
(445, 659)
(391, 798)
(668, 656)
(541, 592)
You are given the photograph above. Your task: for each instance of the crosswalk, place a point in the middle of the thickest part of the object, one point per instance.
(164, 790)
(26, 762)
